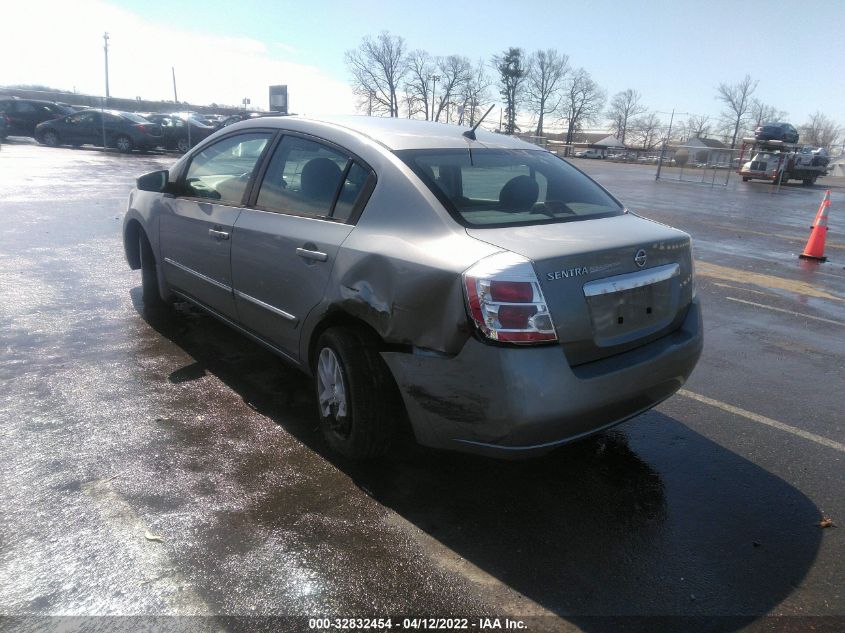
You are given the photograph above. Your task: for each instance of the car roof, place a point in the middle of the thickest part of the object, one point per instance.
(394, 133)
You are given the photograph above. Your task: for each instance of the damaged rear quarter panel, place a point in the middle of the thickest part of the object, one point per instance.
(400, 269)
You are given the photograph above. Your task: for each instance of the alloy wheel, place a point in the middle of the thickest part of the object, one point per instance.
(331, 390)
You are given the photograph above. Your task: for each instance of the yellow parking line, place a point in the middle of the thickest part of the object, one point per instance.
(800, 314)
(762, 419)
(737, 275)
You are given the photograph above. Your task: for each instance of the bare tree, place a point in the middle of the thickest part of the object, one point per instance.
(475, 94)
(414, 105)
(820, 131)
(378, 67)
(544, 84)
(419, 84)
(647, 130)
(512, 71)
(623, 108)
(455, 71)
(698, 126)
(583, 101)
(737, 100)
(761, 113)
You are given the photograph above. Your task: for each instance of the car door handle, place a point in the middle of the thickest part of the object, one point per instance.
(220, 235)
(304, 253)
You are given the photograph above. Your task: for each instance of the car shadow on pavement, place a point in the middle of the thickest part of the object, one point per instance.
(649, 519)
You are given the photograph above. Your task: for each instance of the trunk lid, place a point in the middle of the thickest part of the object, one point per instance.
(602, 301)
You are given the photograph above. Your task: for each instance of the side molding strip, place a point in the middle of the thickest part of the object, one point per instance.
(191, 271)
(266, 306)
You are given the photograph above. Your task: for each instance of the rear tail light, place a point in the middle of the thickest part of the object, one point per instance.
(505, 300)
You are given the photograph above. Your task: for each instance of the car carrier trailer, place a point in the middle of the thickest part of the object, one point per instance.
(780, 162)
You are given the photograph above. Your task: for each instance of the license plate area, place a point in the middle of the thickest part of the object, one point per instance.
(628, 307)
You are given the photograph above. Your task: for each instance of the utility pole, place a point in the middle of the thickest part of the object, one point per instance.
(665, 142)
(106, 51)
(434, 79)
(175, 96)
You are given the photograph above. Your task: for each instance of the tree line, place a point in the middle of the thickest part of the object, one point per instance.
(388, 79)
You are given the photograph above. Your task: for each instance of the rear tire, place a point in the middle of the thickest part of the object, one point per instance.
(809, 181)
(150, 290)
(123, 144)
(358, 402)
(745, 179)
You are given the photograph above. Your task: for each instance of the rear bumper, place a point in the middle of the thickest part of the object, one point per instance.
(519, 402)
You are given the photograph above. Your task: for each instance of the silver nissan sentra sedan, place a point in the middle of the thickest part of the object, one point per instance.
(481, 288)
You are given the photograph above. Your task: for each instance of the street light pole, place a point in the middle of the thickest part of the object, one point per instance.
(434, 79)
(106, 51)
(175, 96)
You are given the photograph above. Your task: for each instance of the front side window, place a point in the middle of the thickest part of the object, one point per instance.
(83, 118)
(303, 178)
(222, 171)
(493, 187)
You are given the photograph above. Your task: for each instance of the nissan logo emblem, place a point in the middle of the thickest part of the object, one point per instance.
(640, 258)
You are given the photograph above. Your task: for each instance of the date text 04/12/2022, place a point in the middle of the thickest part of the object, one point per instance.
(442, 624)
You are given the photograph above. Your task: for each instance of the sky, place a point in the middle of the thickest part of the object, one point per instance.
(674, 53)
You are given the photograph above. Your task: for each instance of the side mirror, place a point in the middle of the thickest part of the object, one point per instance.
(155, 182)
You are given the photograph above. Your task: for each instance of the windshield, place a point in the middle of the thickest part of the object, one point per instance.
(494, 188)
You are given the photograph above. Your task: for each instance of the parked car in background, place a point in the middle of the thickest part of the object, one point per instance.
(25, 114)
(244, 116)
(124, 131)
(776, 132)
(180, 132)
(214, 119)
(476, 285)
(589, 153)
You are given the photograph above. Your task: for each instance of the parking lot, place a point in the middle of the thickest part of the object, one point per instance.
(151, 469)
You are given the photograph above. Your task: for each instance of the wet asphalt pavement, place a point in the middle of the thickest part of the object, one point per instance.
(164, 469)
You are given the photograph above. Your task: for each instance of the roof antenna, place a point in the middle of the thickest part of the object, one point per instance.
(470, 134)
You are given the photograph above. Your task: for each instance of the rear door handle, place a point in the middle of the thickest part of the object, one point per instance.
(219, 235)
(304, 253)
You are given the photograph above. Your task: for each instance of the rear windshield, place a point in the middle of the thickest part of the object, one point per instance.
(495, 187)
(133, 117)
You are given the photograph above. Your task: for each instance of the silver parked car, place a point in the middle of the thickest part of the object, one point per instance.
(484, 289)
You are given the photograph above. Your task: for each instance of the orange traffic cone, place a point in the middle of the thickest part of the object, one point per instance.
(815, 245)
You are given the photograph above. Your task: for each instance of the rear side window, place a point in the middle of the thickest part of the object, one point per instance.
(303, 178)
(23, 107)
(354, 188)
(492, 187)
(222, 171)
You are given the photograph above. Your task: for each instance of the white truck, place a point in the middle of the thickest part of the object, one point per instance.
(777, 161)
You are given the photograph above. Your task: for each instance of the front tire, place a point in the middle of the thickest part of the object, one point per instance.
(182, 145)
(123, 144)
(50, 138)
(357, 400)
(150, 290)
